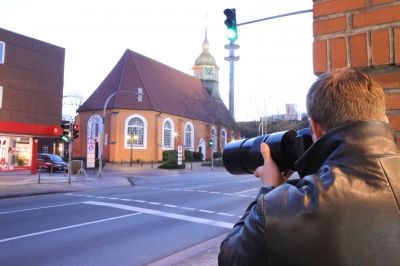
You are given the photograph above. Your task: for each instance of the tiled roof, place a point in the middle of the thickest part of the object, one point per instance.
(166, 90)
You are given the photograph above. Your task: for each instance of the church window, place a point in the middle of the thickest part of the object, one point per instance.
(2, 52)
(189, 136)
(168, 136)
(135, 132)
(223, 138)
(214, 138)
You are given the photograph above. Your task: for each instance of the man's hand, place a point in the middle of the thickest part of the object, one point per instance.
(269, 172)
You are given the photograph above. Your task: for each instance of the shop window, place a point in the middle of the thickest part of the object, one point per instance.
(45, 149)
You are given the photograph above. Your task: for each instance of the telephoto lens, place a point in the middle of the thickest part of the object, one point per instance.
(244, 156)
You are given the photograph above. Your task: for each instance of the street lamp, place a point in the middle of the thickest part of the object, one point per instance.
(102, 134)
(133, 138)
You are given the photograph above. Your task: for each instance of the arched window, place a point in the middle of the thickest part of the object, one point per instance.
(136, 132)
(223, 138)
(214, 138)
(168, 134)
(189, 136)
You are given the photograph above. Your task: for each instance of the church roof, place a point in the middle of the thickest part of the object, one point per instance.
(165, 89)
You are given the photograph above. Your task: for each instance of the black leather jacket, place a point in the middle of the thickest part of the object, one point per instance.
(344, 210)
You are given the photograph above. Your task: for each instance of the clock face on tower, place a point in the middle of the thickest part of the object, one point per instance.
(209, 72)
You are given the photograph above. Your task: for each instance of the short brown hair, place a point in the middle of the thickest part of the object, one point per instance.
(345, 95)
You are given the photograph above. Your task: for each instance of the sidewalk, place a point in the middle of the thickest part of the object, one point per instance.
(20, 184)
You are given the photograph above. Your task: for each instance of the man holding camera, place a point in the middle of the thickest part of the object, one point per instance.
(344, 209)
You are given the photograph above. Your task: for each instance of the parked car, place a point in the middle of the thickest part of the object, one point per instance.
(51, 162)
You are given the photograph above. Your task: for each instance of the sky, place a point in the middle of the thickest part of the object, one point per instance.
(275, 66)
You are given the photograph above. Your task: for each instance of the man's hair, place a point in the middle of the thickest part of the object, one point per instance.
(345, 95)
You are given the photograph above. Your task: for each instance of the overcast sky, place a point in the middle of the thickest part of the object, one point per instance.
(275, 65)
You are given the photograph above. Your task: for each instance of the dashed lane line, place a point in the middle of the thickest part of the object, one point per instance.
(154, 203)
(164, 214)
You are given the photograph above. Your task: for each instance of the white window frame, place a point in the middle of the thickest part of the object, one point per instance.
(127, 137)
(224, 136)
(3, 52)
(172, 134)
(214, 137)
(191, 148)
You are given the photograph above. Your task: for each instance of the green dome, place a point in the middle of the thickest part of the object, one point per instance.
(205, 58)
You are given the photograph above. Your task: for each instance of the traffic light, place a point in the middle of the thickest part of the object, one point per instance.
(230, 22)
(75, 131)
(210, 143)
(65, 131)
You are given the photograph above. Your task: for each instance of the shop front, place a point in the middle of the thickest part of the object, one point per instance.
(19, 145)
(15, 153)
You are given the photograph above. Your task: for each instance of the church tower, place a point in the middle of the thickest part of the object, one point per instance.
(206, 70)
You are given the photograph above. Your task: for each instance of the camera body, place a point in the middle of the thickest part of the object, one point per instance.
(244, 156)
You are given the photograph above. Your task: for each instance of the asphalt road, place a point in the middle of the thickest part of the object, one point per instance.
(156, 217)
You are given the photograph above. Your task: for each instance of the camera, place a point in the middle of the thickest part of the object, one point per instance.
(244, 156)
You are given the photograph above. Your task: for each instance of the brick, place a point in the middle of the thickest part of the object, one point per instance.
(380, 44)
(392, 101)
(320, 56)
(394, 121)
(397, 45)
(388, 80)
(338, 53)
(358, 50)
(337, 6)
(379, 2)
(329, 25)
(377, 16)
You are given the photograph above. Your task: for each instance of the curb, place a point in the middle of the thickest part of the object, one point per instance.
(205, 253)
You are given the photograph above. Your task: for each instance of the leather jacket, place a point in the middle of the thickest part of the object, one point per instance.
(343, 210)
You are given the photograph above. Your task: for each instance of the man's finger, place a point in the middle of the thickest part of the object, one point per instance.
(265, 152)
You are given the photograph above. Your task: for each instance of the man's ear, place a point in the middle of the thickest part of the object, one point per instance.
(317, 130)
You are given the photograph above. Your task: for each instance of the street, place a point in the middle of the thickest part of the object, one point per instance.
(154, 218)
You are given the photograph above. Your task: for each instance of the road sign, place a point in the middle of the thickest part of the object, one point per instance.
(90, 155)
(180, 155)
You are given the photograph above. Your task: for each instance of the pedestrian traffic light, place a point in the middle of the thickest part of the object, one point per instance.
(65, 131)
(230, 22)
(210, 143)
(75, 131)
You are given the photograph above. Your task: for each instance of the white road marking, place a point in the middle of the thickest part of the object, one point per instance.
(170, 205)
(154, 203)
(206, 211)
(164, 214)
(38, 208)
(225, 214)
(244, 191)
(188, 208)
(66, 227)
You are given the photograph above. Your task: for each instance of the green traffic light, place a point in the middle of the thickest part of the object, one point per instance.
(65, 138)
(232, 34)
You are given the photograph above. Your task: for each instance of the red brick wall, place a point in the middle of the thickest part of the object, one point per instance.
(362, 34)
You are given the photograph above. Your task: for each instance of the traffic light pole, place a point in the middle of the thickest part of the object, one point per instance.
(71, 128)
(232, 58)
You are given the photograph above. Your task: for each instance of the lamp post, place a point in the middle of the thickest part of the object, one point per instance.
(133, 138)
(104, 129)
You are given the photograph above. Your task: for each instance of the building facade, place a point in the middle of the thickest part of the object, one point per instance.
(145, 107)
(363, 35)
(31, 90)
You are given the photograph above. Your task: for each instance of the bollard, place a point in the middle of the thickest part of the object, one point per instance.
(151, 164)
(51, 169)
(40, 170)
(141, 164)
(121, 162)
(191, 165)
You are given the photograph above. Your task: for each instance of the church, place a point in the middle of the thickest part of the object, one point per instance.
(144, 107)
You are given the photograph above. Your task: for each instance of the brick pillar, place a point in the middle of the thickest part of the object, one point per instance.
(363, 34)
